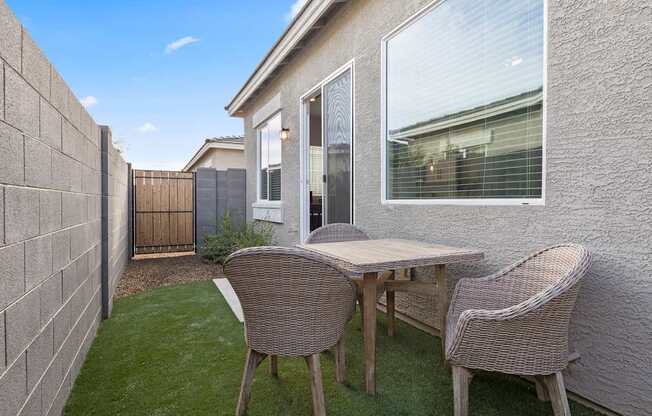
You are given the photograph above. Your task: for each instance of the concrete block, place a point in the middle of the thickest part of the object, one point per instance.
(50, 293)
(12, 166)
(38, 260)
(49, 211)
(74, 110)
(21, 214)
(78, 240)
(10, 37)
(2, 216)
(50, 123)
(21, 103)
(73, 209)
(50, 384)
(33, 405)
(59, 92)
(86, 124)
(61, 397)
(39, 355)
(62, 325)
(70, 281)
(38, 163)
(12, 274)
(36, 68)
(75, 169)
(72, 141)
(60, 171)
(60, 250)
(13, 386)
(2, 343)
(23, 321)
(2, 90)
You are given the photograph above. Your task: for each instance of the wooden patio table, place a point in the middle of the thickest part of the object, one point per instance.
(368, 258)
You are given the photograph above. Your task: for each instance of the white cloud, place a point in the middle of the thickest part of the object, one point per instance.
(89, 101)
(147, 128)
(295, 9)
(180, 43)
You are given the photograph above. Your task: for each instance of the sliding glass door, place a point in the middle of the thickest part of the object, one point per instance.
(327, 148)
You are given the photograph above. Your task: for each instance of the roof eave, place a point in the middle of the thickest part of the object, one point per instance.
(303, 24)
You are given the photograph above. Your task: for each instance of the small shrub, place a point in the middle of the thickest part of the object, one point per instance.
(231, 238)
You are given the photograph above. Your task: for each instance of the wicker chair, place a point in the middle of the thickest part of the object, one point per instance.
(295, 304)
(516, 321)
(333, 233)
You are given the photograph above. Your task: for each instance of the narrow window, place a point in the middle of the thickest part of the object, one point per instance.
(269, 148)
(464, 99)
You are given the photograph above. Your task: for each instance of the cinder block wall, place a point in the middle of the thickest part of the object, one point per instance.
(114, 195)
(50, 228)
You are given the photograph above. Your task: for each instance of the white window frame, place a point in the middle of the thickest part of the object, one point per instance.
(260, 202)
(383, 124)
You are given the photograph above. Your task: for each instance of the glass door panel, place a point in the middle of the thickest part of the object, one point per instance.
(337, 142)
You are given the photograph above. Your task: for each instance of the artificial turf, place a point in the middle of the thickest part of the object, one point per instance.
(180, 351)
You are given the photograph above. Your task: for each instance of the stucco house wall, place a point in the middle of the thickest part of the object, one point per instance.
(221, 159)
(599, 161)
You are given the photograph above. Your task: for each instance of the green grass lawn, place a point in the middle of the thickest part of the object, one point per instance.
(179, 351)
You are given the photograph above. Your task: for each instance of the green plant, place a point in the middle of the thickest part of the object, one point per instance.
(230, 238)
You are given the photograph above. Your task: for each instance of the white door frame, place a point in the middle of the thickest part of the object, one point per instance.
(304, 151)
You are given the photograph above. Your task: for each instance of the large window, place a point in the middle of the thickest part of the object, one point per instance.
(464, 100)
(269, 159)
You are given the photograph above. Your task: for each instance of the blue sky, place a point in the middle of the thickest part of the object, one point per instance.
(158, 72)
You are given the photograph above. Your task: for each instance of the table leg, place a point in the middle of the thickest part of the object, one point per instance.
(442, 286)
(369, 317)
(391, 309)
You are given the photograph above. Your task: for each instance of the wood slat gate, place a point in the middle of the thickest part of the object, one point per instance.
(164, 214)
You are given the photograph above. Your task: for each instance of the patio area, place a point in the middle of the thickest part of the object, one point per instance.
(180, 350)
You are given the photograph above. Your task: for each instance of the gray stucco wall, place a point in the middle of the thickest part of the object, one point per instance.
(50, 233)
(599, 161)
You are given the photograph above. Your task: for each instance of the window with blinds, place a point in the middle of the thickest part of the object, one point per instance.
(269, 159)
(464, 99)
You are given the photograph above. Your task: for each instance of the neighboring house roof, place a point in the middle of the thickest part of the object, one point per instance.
(310, 19)
(224, 142)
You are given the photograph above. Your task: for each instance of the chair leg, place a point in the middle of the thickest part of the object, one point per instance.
(273, 365)
(542, 390)
(340, 361)
(461, 380)
(252, 362)
(557, 392)
(391, 306)
(316, 386)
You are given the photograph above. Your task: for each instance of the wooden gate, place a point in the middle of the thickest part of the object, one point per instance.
(164, 211)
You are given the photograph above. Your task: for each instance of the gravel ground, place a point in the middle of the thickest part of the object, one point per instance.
(151, 272)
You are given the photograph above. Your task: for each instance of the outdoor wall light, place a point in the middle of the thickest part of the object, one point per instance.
(285, 134)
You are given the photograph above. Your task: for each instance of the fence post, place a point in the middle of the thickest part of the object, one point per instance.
(105, 139)
(130, 210)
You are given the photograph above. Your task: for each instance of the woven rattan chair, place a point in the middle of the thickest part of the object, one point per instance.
(516, 321)
(295, 304)
(337, 232)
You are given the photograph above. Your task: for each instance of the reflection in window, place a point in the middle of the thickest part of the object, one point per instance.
(464, 102)
(269, 145)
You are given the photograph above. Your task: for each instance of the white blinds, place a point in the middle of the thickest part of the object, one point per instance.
(464, 102)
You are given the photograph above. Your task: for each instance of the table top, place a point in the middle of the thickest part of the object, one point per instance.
(368, 256)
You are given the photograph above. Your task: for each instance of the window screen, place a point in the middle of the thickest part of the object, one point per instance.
(464, 96)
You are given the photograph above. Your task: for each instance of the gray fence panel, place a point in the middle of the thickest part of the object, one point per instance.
(219, 191)
(206, 202)
(236, 187)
